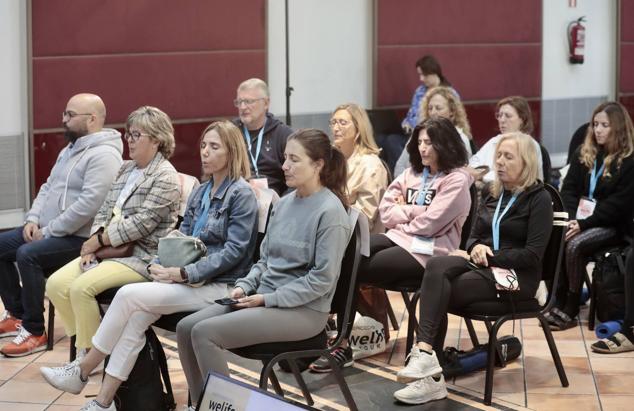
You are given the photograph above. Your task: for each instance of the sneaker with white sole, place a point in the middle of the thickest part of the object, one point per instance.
(422, 391)
(343, 357)
(24, 344)
(420, 365)
(9, 325)
(95, 406)
(65, 378)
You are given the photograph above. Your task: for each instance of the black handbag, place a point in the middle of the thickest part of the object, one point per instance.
(608, 283)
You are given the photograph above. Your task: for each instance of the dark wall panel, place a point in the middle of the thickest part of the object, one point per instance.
(627, 17)
(477, 72)
(71, 27)
(185, 86)
(627, 68)
(459, 21)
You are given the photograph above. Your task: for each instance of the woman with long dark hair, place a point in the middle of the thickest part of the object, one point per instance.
(286, 296)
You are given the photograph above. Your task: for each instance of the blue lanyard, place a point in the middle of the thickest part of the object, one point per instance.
(422, 192)
(254, 159)
(495, 225)
(206, 203)
(594, 178)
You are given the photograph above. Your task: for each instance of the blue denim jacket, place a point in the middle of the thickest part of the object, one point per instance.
(230, 233)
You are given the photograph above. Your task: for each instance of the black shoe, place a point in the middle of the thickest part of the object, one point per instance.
(343, 358)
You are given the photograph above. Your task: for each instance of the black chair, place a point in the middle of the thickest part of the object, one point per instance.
(495, 313)
(411, 291)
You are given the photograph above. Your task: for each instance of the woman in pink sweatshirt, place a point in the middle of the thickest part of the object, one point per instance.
(423, 210)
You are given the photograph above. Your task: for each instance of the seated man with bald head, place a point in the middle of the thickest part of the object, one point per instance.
(265, 135)
(58, 222)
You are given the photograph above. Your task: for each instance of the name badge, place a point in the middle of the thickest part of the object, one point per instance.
(423, 245)
(505, 279)
(259, 182)
(585, 208)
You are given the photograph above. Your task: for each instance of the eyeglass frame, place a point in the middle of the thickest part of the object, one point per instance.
(131, 135)
(333, 122)
(71, 114)
(247, 101)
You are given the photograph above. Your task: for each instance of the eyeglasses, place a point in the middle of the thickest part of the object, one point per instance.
(247, 101)
(71, 114)
(342, 123)
(134, 135)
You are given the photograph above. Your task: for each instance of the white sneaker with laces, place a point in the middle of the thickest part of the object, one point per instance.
(94, 406)
(420, 365)
(65, 378)
(422, 391)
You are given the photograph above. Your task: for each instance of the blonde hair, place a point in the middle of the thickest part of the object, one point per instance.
(528, 153)
(455, 107)
(157, 125)
(365, 144)
(620, 143)
(232, 139)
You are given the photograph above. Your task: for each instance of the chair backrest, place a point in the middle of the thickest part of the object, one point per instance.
(188, 184)
(347, 283)
(468, 223)
(553, 255)
(546, 164)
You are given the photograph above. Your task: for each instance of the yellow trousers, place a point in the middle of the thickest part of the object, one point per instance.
(73, 294)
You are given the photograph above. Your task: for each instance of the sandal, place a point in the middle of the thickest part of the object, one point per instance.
(561, 320)
(612, 345)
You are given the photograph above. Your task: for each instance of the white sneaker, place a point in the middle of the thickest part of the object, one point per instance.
(420, 365)
(65, 378)
(422, 391)
(93, 406)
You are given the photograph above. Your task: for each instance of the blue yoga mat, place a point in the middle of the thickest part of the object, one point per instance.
(608, 328)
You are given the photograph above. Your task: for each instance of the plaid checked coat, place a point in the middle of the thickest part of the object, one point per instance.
(149, 212)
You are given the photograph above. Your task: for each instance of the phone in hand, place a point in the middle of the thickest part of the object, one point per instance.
(226, 301)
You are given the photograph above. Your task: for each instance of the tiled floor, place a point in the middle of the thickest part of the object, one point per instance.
(597, 382)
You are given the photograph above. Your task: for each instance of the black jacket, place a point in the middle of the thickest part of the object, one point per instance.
(272, 152)
(524, 234)
(614, 195)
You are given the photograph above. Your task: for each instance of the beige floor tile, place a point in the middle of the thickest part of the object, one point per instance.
(503, 382)
(545, 362)
(514, 398)
(547, 382)
(617, 402)
(31, 392)
(566, 348)
(607, 364)
(8, 369)
(537, 333)
(13, 406)
(64, 407)
(615, 383)
(548, 402)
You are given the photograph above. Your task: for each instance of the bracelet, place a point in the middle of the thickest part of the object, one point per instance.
(100, 240)
(184, 275)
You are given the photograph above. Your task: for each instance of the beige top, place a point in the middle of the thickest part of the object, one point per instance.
(367, 181)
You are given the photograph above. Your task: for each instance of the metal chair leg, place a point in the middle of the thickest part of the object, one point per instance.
(50, 341)
(300, 381)
(390, 313)
(553, 351)
(488, 385)
(343, 386)
(73, 349)
(268, 374)
(472, 333)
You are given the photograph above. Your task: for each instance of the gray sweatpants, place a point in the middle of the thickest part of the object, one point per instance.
(203, 335)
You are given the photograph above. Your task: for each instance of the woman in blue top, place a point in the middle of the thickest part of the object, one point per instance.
(223, 213)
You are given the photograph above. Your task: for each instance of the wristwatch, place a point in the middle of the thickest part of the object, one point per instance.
(184, 275)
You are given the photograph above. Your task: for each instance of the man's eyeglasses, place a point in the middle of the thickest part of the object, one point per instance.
(134, 136)
(71, 114)
(342, 123)
(248, 101)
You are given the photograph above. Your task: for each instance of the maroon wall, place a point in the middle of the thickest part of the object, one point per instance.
(185, 57)
(485, 50)
(626, 49)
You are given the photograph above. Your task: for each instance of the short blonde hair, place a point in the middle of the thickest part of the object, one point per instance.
(366, 143)
(232, 138)
(157, 125)
(528, 153)
(455, 107)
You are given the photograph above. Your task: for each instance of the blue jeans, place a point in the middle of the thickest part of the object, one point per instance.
(35, 260)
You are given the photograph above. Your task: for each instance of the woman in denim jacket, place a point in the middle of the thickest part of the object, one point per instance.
(223, 213)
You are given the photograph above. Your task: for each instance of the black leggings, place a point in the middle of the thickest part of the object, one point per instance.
(628, 322)
(448, 282)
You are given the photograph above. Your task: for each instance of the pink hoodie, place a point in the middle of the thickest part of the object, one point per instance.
(442, 218)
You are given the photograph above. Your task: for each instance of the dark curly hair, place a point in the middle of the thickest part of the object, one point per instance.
(445, 140)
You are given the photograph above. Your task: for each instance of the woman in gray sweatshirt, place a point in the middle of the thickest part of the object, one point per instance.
(286, 296)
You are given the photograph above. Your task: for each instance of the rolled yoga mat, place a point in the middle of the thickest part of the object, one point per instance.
(608, 328)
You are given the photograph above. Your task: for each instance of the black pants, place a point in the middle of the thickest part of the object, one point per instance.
(448, 282)
(387, 264)
(629, 290)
